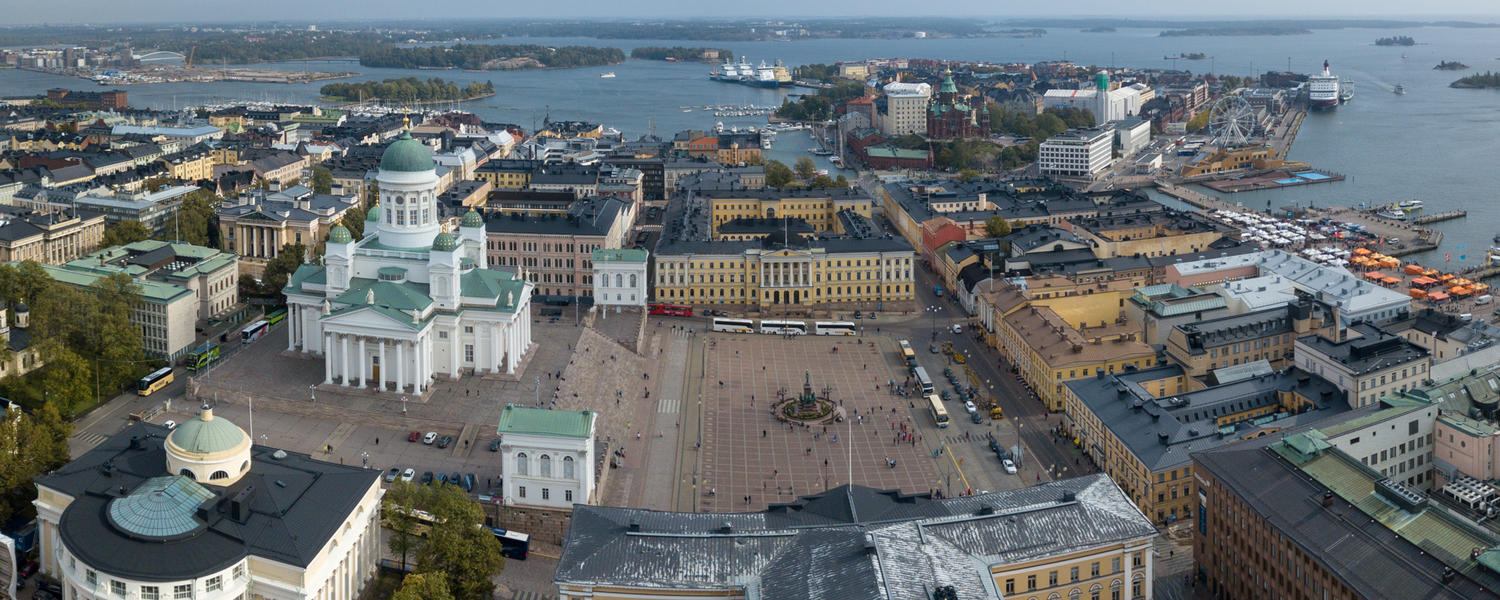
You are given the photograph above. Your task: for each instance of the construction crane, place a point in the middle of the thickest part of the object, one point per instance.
(189, 63)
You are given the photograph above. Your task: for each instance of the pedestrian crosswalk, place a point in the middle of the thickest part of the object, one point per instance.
(89, 438)
(668, 405)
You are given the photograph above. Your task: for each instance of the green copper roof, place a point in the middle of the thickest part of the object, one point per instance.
(340, 235)
(400, 296)
(161, 507)
(444, 242)
(948, 86)
(206, 434)
(406, 155)
(472, 219)
(373, 215)
(537, 421)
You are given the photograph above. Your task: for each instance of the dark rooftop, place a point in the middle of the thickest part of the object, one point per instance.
(1374, 350)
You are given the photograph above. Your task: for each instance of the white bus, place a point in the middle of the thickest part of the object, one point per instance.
(923, 380)
(784, 327)
(254, 330)
(939, 412)
(733, 325)
(833, 328)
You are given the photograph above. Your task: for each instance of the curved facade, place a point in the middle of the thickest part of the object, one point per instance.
(117, 524)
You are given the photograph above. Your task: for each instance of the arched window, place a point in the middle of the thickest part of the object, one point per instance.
(521, 467)
(546, 462)
(619, 280)
(568, 467)
(218, 475)
(244, 467)
(188, 473)
(632, 280)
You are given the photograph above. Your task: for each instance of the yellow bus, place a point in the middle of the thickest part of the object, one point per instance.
(939, 413)
(907, 354)
(158, 379)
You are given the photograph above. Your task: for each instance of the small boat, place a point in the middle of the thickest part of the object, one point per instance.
(1411, 204)
(609, 75)
(1393, 215)
(1399, 89)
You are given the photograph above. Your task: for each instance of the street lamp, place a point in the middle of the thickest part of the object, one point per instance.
(934, 311)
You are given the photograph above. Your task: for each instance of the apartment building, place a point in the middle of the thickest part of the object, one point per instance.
(1208, 345)
(554, 250)
(818, 208)
(259, 223)
(1076, 153)
(1367, 364)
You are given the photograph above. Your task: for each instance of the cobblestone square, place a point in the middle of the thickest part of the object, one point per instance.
(747, 452)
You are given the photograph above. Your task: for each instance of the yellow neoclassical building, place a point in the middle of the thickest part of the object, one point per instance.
(818, 208)
(1076, 538)
(772, 274)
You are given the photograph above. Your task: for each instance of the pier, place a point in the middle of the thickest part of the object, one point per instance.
(1270, 180)
(1439, 217)
(1195, 198)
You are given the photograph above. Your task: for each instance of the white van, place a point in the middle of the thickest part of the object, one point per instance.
(958, 328)
(1466, 317)
(1482, 300)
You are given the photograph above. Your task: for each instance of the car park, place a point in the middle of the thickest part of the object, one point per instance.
(469, 481)
(408, 475)
(443, 443)
(1010, 467)
(429, 438)
(455, 479)
(413, 436)
(392, 474)
(426, 477)
(441, 478)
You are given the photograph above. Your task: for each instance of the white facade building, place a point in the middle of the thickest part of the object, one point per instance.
(548, 457)
(1132, 135)
(1076, 153)
(410, 301)
(619, 278)
(905, 108)
(199, 512)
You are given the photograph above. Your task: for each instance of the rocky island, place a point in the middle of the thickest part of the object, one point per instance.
(1488, 80)
(1399, 40)
(1450, 65)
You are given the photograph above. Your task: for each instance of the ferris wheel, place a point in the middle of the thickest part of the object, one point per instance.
(1231, 121)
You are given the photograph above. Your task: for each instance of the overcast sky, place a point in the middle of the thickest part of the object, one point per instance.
(105, 12)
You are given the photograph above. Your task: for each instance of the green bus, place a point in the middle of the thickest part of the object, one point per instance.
(276, 316)
(200, 359)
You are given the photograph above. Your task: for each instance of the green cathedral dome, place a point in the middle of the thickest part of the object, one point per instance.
(406, 155)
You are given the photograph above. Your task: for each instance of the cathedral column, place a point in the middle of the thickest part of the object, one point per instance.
(385, 368)
(291, 327)
(327, 360)
(344, 358)
(401, 367)
(494, 347)
(455, 361)
(419, 351)
(364, 360)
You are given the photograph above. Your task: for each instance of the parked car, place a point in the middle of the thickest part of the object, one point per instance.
(994, 445)
(870, 315)
(976, 418)
(933, 348)
(408, 475)
(392, 474)
(443, 443)
(170, 424)
(1010, 467)
(426, 477)
(442, 478)
(858, 315)
(413, 436)
(455, 479)
(28, 569)
(429, 438)
(958, 328)
(469, 481)
(969, 407)
(495, 445)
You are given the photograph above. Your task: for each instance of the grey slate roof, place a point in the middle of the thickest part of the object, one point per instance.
(297, 504)
(1375, 350)
(1364, 553)
(850, 542)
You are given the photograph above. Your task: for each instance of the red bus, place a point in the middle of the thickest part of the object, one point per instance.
(673, 310)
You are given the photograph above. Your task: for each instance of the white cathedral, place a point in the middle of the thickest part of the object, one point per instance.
(409, 302)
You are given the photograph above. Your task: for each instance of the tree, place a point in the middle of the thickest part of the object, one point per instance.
(423, 586)
(396, 516)
(196, 222)
(155, 184)
(806, 168)
(68, 382)
(322, 180)
(778, 175)
(125, 232)
(32, 444)
(967, 174)
(354, 221)
(822, 182)
(279, 269)
(1199, 122)
(996, 226)
(467, 555)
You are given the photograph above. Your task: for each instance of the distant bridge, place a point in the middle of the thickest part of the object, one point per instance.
(160, 56)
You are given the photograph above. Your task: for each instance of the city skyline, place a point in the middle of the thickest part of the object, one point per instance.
(104, 13)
